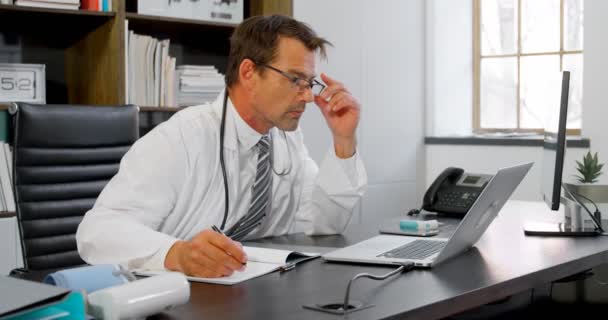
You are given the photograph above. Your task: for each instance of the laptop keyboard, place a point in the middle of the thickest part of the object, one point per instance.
(415, 250)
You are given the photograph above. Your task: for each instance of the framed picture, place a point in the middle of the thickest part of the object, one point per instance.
(22, 82)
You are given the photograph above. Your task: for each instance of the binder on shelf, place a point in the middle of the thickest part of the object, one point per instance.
(96, 5)
(92, 5)
(149, 71)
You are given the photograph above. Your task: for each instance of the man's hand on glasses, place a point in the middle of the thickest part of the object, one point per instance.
(341, 111)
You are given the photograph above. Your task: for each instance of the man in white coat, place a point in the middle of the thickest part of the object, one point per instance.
(239, 164)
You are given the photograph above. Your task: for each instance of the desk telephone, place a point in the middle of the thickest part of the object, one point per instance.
(454, 192)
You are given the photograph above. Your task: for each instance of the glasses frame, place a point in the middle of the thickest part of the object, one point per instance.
(301, 83)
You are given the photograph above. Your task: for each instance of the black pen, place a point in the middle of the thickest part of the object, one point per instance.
(216, 229)
(288, 266)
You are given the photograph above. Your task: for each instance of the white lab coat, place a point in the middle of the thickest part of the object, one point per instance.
(170, 187)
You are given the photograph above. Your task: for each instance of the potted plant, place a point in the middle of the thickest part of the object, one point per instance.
(589, 170)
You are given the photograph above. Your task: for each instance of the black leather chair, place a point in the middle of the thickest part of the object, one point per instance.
(64, 155)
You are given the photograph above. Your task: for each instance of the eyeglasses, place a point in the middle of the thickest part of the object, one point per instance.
(315, 86)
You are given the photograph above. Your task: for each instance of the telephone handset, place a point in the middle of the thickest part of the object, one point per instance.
(454, 191)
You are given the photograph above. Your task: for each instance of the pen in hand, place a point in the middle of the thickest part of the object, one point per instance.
(216, 229)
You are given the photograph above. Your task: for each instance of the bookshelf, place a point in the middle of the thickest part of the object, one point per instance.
(84, 50)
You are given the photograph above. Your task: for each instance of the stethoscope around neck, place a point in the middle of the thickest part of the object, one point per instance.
(223, 165)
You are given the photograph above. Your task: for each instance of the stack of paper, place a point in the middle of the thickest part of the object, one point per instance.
(150, 72)
(198, 84)
(55, 4)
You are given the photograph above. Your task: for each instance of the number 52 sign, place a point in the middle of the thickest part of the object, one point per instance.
(22, 83)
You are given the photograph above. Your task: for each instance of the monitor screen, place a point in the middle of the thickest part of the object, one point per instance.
(554, 147)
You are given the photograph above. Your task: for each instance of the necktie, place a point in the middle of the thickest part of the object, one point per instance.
(260, 192)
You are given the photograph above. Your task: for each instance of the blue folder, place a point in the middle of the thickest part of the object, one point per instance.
(89, 278)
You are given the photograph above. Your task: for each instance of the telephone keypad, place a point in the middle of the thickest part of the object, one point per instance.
(457, 199)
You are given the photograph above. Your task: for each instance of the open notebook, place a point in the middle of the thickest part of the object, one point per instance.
(260, 262)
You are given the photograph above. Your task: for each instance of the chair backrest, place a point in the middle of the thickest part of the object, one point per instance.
(64, 155)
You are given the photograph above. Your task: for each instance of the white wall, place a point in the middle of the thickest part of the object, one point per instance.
(379, 54)
(449, 65)
(595, 79)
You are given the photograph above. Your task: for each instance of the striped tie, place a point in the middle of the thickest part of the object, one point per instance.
(259, 194)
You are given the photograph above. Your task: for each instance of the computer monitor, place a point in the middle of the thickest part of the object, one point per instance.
(554, 150)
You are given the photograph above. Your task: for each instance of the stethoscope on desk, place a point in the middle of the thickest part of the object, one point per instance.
(223, 166)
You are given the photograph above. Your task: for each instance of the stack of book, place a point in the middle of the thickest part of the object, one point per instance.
(7, 199)
(97, 5)
(54, 4)
(198, 84)
(150, 72)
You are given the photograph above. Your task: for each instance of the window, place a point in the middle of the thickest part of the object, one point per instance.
(516, 44)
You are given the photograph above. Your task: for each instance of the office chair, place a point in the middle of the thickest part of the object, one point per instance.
(64, 155)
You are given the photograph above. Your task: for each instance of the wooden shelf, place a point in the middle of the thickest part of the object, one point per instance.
(156, 20)
(7, 214)
(160, 109)
(208, 37)
(53, 28)
(141, 109)
(29, 10)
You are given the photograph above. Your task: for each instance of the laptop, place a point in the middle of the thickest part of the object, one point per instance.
(428, 252)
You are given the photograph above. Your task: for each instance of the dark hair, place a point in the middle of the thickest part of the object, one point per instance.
(257, 37)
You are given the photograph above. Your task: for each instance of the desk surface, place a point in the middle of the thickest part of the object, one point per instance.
(504, 262)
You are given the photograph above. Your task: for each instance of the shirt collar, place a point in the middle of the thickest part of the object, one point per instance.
(246, 135)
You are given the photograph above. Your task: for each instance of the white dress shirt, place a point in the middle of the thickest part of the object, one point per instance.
(170, 187)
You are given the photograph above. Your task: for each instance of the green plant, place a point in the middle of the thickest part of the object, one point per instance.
(590, 169)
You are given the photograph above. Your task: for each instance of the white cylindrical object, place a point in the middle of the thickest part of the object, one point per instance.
(140, 298)
(572, 214)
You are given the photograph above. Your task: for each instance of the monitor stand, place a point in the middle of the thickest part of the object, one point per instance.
(573, 225)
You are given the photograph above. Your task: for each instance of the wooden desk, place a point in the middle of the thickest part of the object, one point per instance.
(504, 262)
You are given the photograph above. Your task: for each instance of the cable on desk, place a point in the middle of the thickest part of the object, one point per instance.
(598, 225)
(346, 306)
(402, 268)
(593, 203)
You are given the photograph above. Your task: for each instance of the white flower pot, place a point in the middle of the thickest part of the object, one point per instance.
(596, 192)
